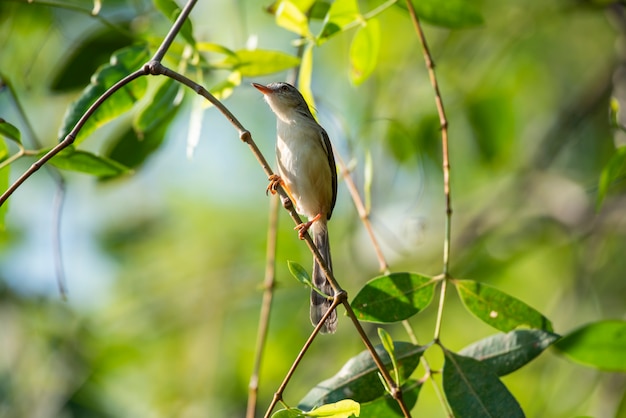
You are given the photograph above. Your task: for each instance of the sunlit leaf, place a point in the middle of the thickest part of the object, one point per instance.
(386, 406)
(305, 76)
(10, 132)
(613, 172)
(358, 378)
(600, 344)
(505, 353)
(394, 297)
(171, 10)
(340, 14)
(498, 309)
(292, 18)
(224, 89)
(88, 163)
(342, 409)
(122, 63)
(257, 62)
(453, 14)
(212, 47)
(364, 51)
(474, 390)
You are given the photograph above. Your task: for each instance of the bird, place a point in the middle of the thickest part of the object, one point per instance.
(307, 173)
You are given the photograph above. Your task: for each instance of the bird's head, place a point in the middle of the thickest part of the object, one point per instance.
(283, 98)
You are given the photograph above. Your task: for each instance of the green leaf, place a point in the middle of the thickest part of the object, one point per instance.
(122, 63)
(132, 150)
(453, 14)
(386, 406)
(257, 62)
(340, 14)
(305, 76)
(473, 389)
(505, 353)
(614, 172)
(86, 162)
(211, 47)
(600, 344)
(171, 10)
(293, 18)
(89, 52)
(299, 273)
(342, 409)
(385, 338)
(164, 102)
(364, 51)
(394, 297)
(10, 132)
(359, 376)
(289, 413)
(498, 309)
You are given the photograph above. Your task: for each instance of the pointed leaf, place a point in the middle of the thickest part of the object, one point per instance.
(292, 18)
(394, 297)
(257, 62)
(10, 132)
(498, 309)
(385, 338)
(299, 273)
(364, 51)
(613, 172)
(305, 76)
(88, 163)
(505, 353)
(473, 389)
(386, 406)
(164, 102)
(122, 63)
(453, 14)
(600, 344)
(358, 378)
(340, 14)
(342, 409)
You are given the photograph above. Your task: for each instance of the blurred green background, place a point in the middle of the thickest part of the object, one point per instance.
(165, 267)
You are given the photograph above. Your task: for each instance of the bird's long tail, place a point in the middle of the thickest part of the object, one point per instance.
(319, 304)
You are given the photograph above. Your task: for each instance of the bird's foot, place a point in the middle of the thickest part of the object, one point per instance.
(275, 181)
(304, 227)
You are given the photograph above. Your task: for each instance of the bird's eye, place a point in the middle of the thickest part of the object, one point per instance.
(284, 88)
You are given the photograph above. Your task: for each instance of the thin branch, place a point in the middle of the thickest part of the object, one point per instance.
(266, 306)
(430, 65)
(174, 30)
(278, 395)
(363, 213)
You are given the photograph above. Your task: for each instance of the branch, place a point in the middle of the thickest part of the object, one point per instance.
(430, 65)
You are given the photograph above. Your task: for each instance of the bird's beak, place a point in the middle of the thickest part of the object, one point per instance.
(263, 89)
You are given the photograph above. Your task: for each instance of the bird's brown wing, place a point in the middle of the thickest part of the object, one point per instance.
(328, 148)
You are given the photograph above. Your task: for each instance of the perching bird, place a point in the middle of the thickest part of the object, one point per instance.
(307, 172)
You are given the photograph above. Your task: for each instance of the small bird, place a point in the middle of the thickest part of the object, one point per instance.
(307, 172)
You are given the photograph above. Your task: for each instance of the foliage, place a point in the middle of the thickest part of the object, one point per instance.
(529, 138)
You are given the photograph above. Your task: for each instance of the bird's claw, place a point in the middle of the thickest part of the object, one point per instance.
(275, 181)
(304, 227)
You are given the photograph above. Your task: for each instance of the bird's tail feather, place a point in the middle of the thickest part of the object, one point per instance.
(319, 304)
